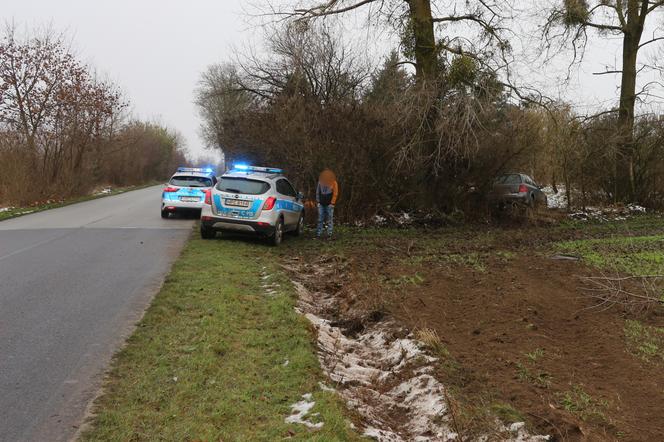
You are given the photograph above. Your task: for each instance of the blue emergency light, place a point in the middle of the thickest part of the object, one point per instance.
(196, 170)
(247, 168)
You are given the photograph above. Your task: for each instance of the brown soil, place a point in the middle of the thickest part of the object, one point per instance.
(489, 320)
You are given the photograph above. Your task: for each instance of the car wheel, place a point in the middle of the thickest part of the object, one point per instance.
(164, 214)
(278, 234)
(299, 230)
(207, 232)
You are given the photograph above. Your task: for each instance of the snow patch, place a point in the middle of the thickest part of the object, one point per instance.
(300, 411)
(608, 213)
(364, 366)
(326, 388)
(556, 200)
(379, 220)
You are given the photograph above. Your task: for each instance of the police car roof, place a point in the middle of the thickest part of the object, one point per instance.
(196, 174)
(251, 174)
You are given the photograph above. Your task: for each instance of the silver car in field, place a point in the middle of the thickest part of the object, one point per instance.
(255, 200)
(517, 189)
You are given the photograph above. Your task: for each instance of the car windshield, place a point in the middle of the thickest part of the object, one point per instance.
(191, 181)
(509, 179)
(242, 185)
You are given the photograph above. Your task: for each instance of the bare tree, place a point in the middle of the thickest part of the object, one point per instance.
(53, 102)
(417, 21)
(218, 96)
(626, 19)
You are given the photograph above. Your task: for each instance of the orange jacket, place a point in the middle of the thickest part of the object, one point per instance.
(327, 191)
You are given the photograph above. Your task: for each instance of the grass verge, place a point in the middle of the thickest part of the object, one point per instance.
(15, 212)
(218, 358)
(642, 255)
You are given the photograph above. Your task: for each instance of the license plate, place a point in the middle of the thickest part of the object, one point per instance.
(189, 199)
(237, 203)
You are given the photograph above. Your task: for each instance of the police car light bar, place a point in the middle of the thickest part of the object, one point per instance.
(195, 169)
(246, 168)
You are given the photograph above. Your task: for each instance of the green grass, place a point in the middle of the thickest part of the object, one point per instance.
(645, 341)
(536, 354)
(15, 212)
(207, 362)
(407, 280)
(533, 376)
(642, 255)
(639, 223)
(506, 413)
(581, 404)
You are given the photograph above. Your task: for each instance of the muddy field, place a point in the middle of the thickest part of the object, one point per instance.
(510, 333)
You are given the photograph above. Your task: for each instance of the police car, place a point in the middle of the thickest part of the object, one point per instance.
(185, 190)
(256, 200)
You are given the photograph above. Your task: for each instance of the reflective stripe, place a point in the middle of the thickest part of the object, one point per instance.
(289, 205)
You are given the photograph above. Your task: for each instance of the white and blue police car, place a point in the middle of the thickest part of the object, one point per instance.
(255, 200)
(185, 190)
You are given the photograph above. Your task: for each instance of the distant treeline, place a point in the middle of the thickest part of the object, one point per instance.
(63, 131)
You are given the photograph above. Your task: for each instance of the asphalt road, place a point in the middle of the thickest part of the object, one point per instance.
(73, 282)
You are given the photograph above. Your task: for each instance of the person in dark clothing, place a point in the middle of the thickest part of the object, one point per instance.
(327, 193)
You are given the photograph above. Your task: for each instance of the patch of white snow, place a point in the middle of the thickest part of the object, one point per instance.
(300, 411)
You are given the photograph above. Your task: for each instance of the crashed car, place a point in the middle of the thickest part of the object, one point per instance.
(516, 189)
(253, 200)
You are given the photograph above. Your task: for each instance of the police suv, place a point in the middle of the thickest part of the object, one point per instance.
(185, 190)
(257, 200)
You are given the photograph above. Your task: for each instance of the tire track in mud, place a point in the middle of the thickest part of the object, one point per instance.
(378, 368)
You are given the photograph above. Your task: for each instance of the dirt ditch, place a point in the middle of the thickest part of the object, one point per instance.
(518, 340)
(376, 365)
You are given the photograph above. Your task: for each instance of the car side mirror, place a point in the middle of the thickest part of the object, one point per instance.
(300, 196)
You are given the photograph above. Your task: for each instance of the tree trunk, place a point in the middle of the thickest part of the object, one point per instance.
(426, 57)
(626, 148)
(426, 75)
(626, 186)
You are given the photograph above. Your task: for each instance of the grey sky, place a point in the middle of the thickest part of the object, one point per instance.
(156, 49)
(153, 49)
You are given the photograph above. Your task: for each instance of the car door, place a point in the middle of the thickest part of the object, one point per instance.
(289, 208)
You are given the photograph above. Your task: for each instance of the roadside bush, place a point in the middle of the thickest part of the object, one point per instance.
(313, 102)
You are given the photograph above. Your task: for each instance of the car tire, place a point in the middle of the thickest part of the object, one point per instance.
(278, 234)
(299, 229)
(164, 214)
(207, 232)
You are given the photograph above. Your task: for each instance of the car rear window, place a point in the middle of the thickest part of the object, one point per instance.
(191, 181)
(509, 179)
(243, 185)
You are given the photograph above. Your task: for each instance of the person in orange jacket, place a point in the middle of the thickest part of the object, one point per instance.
(327, 193)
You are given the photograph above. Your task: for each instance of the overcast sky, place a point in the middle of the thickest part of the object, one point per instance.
(155, 51)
